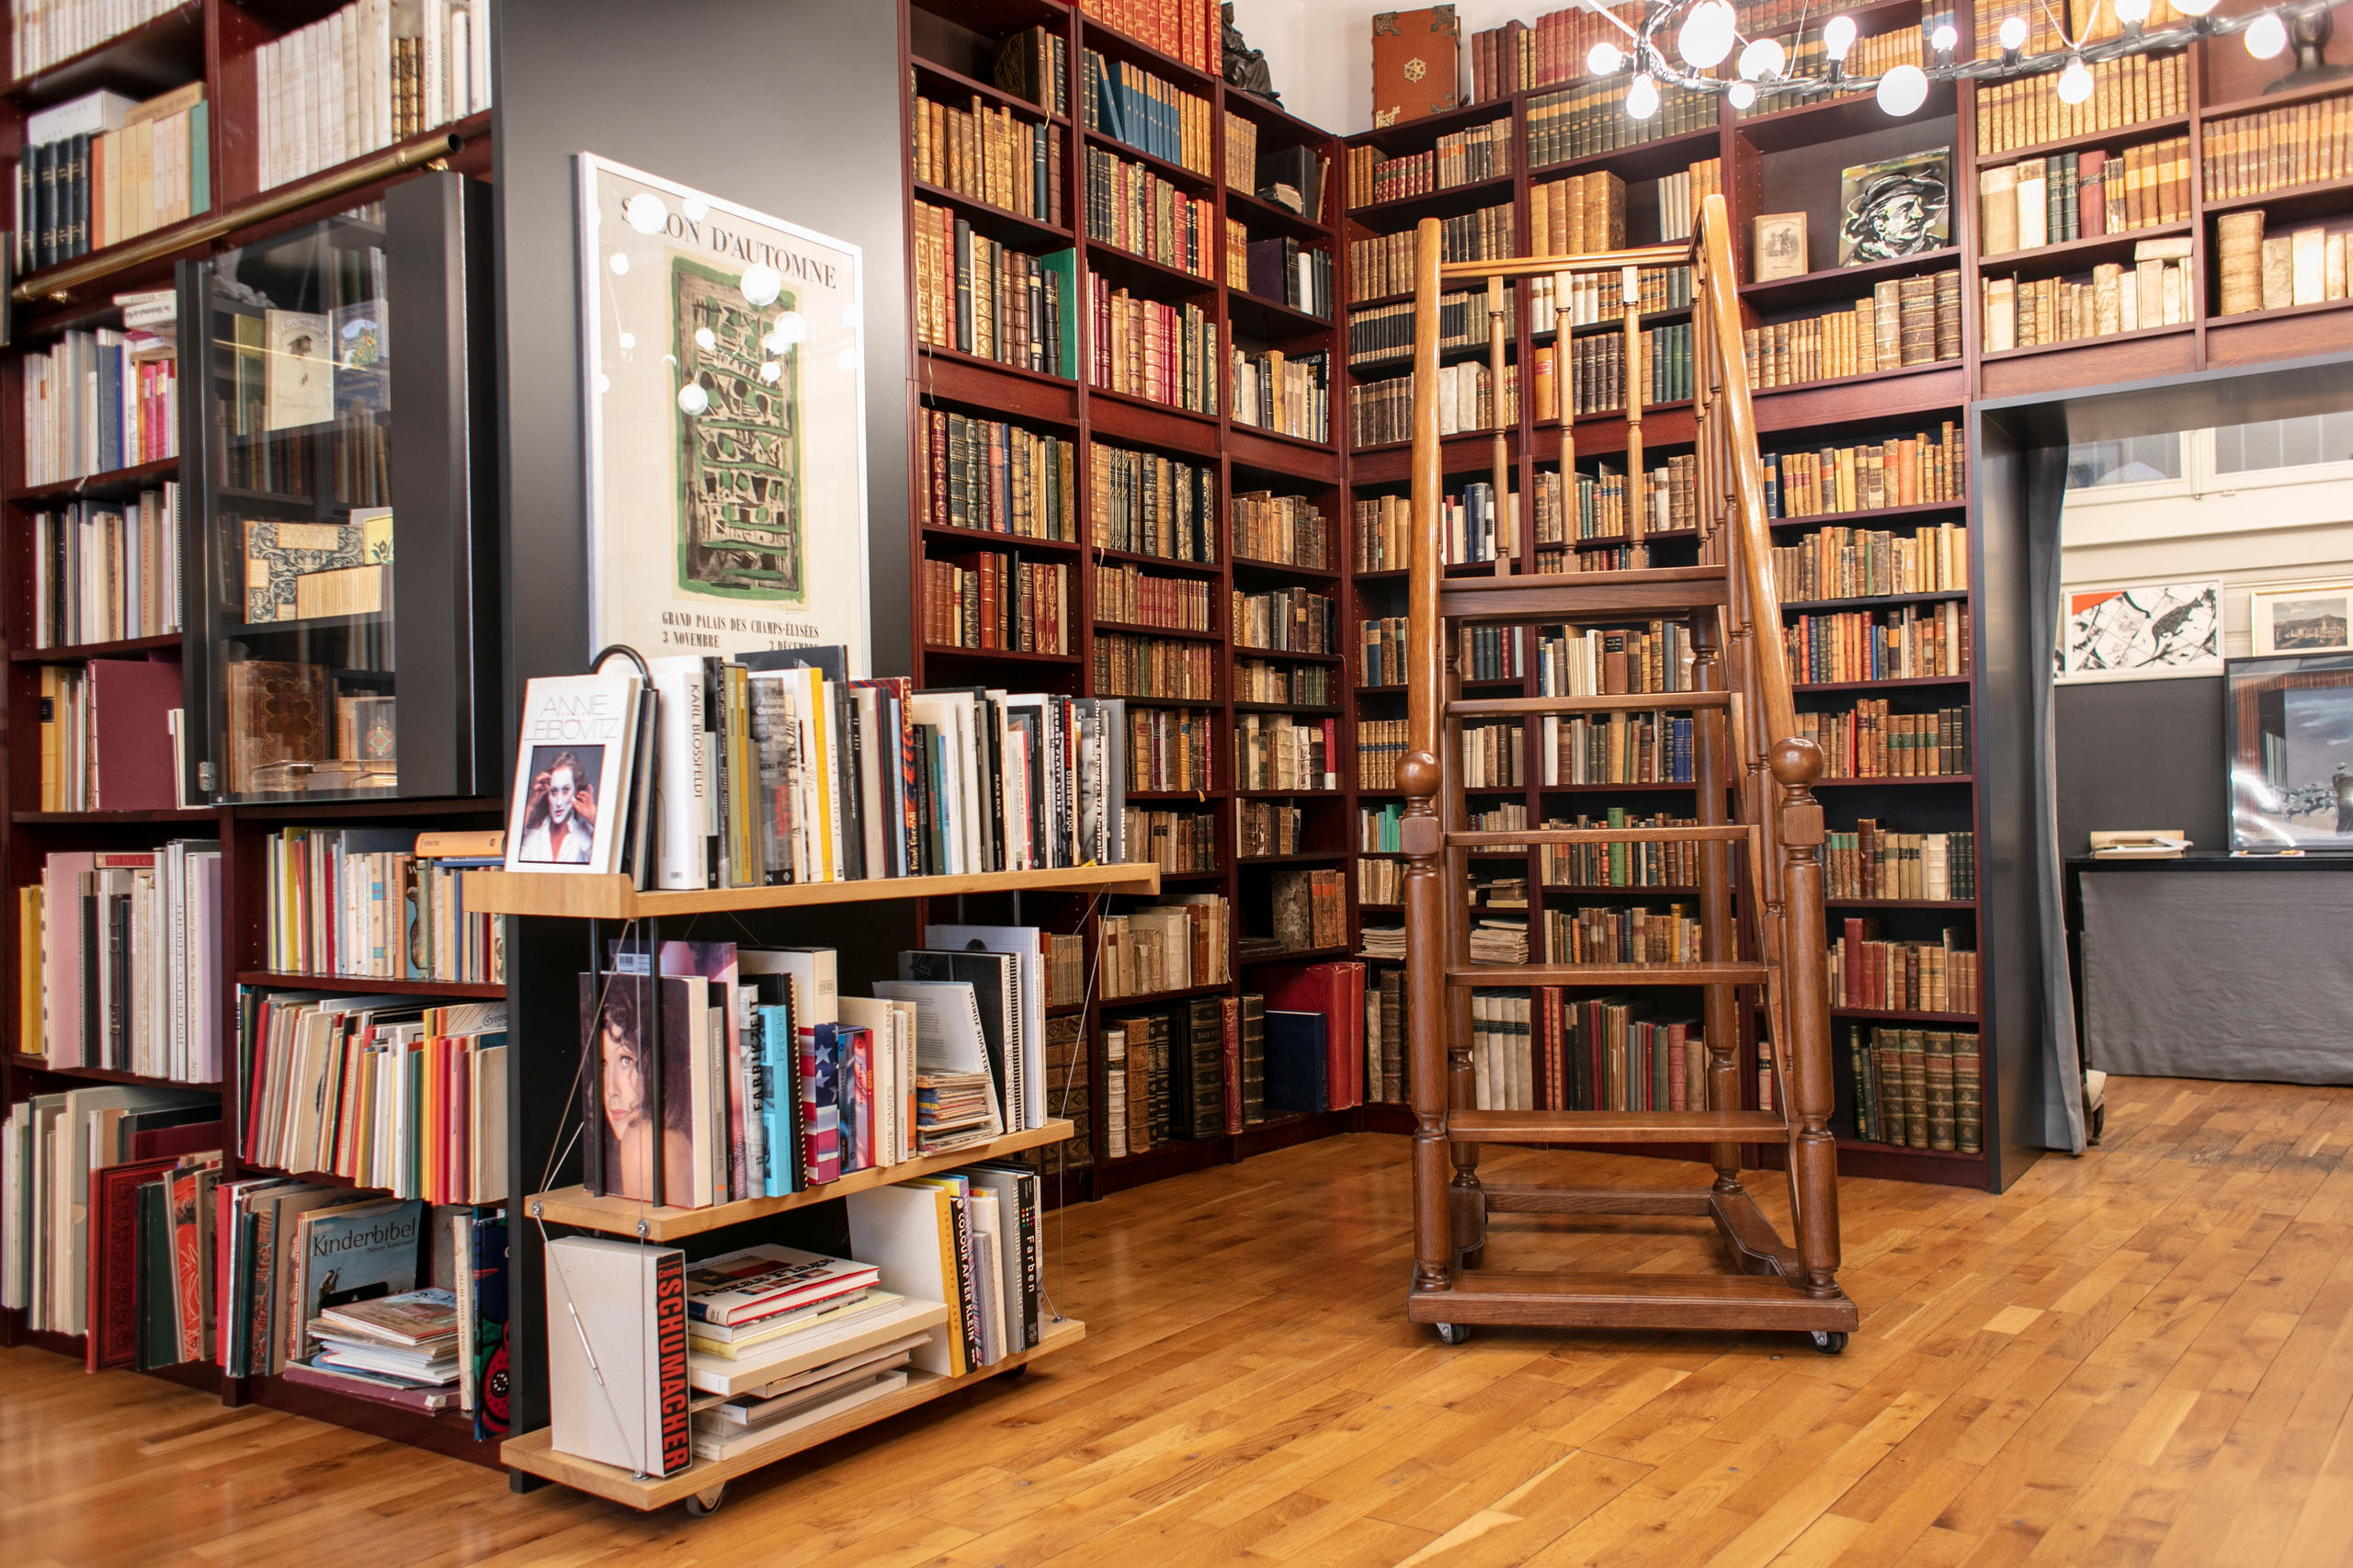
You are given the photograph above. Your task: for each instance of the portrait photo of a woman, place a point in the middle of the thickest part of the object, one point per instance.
(624, 1084)
(560, 817)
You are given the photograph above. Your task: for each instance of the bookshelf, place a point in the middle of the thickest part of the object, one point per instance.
(949, 51)
(215, 43)
(547, 910)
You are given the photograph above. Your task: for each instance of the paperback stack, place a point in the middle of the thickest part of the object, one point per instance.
(408, 1342)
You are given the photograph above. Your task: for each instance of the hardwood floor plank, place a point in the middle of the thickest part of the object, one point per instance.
(2137, 1359)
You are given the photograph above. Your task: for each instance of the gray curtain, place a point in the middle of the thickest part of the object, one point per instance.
(2062, 1105)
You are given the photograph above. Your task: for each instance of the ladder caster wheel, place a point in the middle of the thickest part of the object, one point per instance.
(1453, 1332)
(1830, 1341)
(1013, 1374)
(702, 1505)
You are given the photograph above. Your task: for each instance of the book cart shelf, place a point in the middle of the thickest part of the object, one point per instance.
(214, 42)
(538, 906)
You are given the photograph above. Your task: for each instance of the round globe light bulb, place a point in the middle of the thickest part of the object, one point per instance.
(1741, 93)
(1642, 98)
(1603, 58)
(1707, 34)
(2266, 36)
(1762, 60)
(2013, 34)
(2193, 7)
(1944, 40)
(2075, 82)
(1838, 37)
(2131, 11)
(1902, 90)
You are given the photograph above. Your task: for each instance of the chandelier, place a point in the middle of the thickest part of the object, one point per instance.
(1706, 33)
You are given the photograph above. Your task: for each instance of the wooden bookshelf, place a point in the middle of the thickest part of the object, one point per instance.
(533, 1453)
(213, 42)
(582, 1210)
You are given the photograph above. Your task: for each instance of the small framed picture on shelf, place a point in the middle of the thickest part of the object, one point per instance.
(1896, 207)
(2311, 618)
(1780, 246)
(2148, 632)
(2290, 752)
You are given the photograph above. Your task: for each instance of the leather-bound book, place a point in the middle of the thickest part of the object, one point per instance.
(1417, 64)
(277, 712)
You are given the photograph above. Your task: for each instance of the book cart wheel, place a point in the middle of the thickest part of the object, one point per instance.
(1830, 1341)
(702, 1505)
(1453, 1332)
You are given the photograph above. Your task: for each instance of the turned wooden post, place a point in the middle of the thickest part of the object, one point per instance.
(1813, 1151)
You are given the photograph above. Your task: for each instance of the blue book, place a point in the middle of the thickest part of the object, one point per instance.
(1298, 1062)
(357, 1251)
(778, 1095)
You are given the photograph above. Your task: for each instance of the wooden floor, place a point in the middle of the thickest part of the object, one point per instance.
(2143, 1357)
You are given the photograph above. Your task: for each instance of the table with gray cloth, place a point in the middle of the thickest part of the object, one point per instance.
(2208, 972)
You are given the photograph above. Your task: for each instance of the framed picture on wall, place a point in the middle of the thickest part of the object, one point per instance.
(2146, 632)
(2311, 618)
(724, 358)
(2291, 755)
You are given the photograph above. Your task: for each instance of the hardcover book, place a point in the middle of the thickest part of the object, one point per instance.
(572, 797)
(617, 1354)
(1417, 64)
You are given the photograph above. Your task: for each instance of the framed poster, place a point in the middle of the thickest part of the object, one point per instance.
(2153, 631)
(2291, 753)
(724, 358)
(2311, 617)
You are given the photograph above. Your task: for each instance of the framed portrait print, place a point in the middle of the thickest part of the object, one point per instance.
(2290, 751)
(1895, 207)
(724, 359)
(2312, 618)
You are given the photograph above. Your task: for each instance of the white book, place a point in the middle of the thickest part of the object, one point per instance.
(816, 989)
(479, 40)
(908, 1232)
(901, 1325)
(570, 799)
(432, 70)
(380, 72)
(988, 1276)
(1028, 944)
(709, 1446)
(682, 810)
(617, 1353)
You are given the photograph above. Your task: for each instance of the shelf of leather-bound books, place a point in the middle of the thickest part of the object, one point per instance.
(614, 1215)
(593, 896)
(1871, 601)
(1193, 182)
(1958, 905)
(534, 1453)
(2114, 137)
(1642, 160)
(1000, 223)
(1866, 517)
(1839, 284)
(946, 85)
(357, 984)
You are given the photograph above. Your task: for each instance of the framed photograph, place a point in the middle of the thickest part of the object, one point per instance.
(2291, 755)
(2154, 632)
(1780, 250)
(1895, 207)
(2311, 617)
(724, 357)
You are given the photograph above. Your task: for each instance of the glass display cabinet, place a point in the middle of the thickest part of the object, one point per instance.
(340, 506)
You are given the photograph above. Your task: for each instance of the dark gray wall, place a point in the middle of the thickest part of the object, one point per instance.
(790, 108)
(2142, 754)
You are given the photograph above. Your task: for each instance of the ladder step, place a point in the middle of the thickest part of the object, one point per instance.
(1508, 975)
(1650, 590)
(1630, 1301)
(1615, 1127)
(1620, 702)
(1691, 1201)
(1723, 833)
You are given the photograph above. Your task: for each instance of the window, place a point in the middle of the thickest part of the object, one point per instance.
(2284, 443)
(2139, 459)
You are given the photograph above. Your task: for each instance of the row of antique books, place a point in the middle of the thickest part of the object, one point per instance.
(1129, 595)
(1872, 862)
(1148, 112)
(2158, 290)
(1600, 507)
(1546, 1049)
(1592, 119)
(1155, 667)
(1280, 681)
(989, 600)
(1473, 527)
(1907, 320)
(989, 155)
(1912, 643)
(1386, 332)
(1131, 209)
(2082, 195)
(372, 73)
(1276, 751)
(103, 168)
(2268, 272)
(1382, 264)
(1381, 413)
(1894, 471)
(1461, 157)
(1176, 944)
(1853, 564)
(2028, 112)
(1289, 394)
(1144, 348)
(982, 298)
(1917, 1088)
(1868, 972)
(1869, 740)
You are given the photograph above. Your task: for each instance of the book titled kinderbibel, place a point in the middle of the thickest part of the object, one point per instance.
(573, 774)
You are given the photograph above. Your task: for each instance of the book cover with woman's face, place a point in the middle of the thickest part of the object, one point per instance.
(620, 1094)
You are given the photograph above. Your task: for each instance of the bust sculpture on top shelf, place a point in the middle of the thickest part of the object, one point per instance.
(1245, 68)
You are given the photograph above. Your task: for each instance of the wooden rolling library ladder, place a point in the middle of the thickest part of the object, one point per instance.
(1745, 744)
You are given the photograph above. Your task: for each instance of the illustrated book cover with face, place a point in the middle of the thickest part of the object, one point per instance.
(640, 1098)
(572, 773)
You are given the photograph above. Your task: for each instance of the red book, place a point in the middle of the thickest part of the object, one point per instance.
(113, 1338)
(2091, 197)
(1336, 990)
(130, 701)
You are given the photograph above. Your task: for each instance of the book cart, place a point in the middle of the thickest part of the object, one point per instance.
(536, 901)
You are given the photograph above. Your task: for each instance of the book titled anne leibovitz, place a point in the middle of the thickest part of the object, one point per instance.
(299, 378)
(573, 771)
(617, 1354)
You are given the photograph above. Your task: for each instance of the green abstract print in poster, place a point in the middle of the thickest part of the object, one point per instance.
(739, 444)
